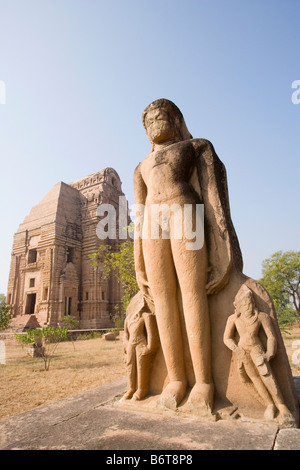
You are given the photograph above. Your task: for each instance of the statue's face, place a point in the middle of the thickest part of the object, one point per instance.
(159, 125)
(247, 307)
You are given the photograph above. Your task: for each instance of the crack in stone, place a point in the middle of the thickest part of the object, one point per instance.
(104, 403)
(275, 439)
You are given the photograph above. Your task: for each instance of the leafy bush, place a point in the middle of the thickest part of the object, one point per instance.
(281, 278)
(120, 264)
(48, 337)
(5, 313)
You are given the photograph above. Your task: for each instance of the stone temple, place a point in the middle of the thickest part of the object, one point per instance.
(51, 274)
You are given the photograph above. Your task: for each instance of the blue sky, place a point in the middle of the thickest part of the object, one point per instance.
(79, 73)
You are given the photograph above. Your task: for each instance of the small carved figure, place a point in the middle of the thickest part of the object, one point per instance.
(253, 359)
(141, 341)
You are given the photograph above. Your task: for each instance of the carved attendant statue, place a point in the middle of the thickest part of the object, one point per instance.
(253, 359)
(141, 341)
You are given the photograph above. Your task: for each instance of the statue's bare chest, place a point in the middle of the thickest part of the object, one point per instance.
(177, 160)
(248, 328)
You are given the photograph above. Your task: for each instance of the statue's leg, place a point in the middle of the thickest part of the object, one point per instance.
(163, 285)
(284, 413)
(191, 268)
(261, 388)
(143, 372)
(131, 367)
(271, 385)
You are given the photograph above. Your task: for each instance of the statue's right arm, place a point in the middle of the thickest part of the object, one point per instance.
(126, 336)
(228, 337)
(140, 193)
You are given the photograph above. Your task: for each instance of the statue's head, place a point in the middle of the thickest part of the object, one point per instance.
(164, 122)
(244, 301)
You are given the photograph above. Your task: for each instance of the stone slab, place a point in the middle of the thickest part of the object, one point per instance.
(30, 425)
(88, 421)
(288, 439)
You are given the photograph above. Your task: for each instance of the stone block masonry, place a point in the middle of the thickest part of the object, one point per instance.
(51, 274)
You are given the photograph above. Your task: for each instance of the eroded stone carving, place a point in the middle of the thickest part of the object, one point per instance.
(253, 358)
(191, 292)
(141, 341)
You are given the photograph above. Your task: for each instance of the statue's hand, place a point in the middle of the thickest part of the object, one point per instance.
(211, 287)
(146, 351)
(125, 346)
(148, 299)
(268, 356)
(216, 280)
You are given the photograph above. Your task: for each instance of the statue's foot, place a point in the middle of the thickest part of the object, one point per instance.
(270, 412)
(285, 416)
(201, 399)
(139, 394)
(172, 395)
(128, 395)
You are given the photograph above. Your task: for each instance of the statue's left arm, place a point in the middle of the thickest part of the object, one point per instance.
(266, 322)
(222, 243)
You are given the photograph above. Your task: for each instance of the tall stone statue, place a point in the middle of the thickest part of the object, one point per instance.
(189, 285)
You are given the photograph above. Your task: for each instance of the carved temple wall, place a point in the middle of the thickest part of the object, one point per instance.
(51, 273)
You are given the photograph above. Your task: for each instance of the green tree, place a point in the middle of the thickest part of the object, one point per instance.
(5, 313)
(48, 337)
(72, 324)
(281, 278)
(121, 264)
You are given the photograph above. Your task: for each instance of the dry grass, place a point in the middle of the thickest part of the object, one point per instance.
(24, 383)
(292, 348)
